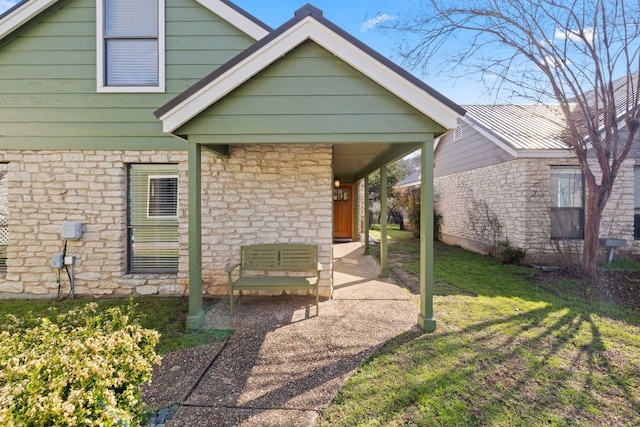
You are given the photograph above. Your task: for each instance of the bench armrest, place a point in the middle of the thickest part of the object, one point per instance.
(230, 273)
(233, 267)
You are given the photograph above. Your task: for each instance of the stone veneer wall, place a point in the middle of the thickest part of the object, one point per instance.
(517, 192)
(617, 218)
(260, 194)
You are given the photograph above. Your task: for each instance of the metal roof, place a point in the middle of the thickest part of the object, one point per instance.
(523, 127)
(541, 126)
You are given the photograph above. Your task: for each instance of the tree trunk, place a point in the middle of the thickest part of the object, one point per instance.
(596, 201)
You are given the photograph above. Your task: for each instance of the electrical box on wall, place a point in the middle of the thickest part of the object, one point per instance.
(57, 261)
(71, 230)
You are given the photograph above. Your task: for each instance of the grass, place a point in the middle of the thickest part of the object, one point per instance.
(505, 353)
(167, 315)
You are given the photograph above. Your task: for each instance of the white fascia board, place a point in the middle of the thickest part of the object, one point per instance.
(235, 18)
(22, 15)
(384, 76)
(308, 28)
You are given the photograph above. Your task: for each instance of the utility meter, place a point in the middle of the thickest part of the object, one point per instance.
(71, 230)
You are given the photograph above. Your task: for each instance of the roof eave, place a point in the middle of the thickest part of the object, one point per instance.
(22, 13)
(546, 154)
(238, 17)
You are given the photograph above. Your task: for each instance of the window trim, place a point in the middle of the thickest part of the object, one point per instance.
(101, 61)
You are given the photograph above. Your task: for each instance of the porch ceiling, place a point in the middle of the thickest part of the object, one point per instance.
(352, 162)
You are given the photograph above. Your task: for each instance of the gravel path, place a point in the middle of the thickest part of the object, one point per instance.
(283, 365)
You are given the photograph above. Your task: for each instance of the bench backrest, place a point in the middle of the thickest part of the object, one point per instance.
(279, 257)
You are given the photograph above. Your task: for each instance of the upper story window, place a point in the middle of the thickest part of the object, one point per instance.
(130, 45)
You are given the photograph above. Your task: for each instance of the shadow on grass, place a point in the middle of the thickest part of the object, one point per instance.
(548, 366)
(505, 353)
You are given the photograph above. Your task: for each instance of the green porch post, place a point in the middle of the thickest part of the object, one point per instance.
(367, 209)
(425, 317)
(384, 272)
(195, 319)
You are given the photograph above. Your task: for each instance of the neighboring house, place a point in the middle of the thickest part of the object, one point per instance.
(412, 181)
(175, 131)
(505, 174)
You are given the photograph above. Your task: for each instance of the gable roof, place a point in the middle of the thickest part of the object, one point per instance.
(520, 127)
(26, 10)
(308, 24)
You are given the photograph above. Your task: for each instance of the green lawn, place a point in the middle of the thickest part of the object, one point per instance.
(167, 315)
(505, 353)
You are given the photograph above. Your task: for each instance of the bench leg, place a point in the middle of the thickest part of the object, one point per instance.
(231, 299)
(317, 303)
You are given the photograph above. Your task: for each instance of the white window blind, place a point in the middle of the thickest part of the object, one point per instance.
(153, 222)
(162, 201)
(131, 42)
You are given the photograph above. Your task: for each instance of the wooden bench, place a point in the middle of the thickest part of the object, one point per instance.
(266, 267)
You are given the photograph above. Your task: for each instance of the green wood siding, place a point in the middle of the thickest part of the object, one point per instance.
(48, 97)
(310, 96)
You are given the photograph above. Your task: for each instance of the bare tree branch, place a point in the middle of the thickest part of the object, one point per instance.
(582, 54)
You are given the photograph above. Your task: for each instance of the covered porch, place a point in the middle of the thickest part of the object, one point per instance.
(307, 84)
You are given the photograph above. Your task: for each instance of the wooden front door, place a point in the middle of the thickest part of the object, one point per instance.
(343, 212)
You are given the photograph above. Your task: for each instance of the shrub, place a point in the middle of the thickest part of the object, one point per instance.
(508, 254)
(78, 368)
(411, 202)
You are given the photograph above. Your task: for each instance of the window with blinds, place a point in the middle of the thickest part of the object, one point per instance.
(153, 218)
(4, 213)
(131, 54)
(567, 203)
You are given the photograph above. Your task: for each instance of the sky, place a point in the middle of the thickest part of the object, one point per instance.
(360, 18)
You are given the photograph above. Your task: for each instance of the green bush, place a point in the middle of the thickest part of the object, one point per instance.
(508, 254)
(78, 368)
